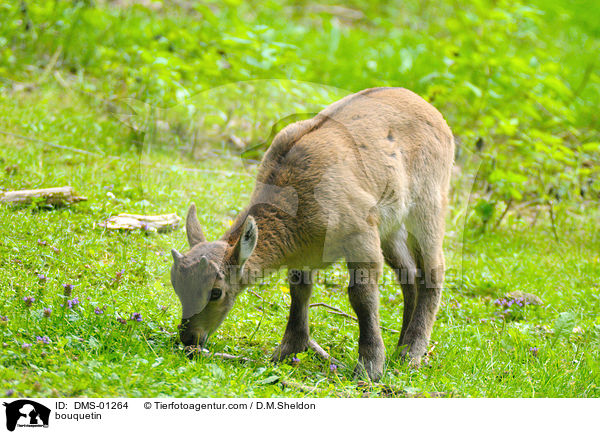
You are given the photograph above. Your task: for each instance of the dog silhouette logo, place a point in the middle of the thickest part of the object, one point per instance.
(26, 413)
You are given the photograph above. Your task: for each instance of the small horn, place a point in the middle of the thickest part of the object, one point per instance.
(203, 262)
(176, 256)
(192, 227)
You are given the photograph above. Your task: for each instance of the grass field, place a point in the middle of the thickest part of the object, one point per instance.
(478, 349)
(90, 312)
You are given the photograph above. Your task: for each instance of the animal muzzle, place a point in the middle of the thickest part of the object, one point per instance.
(190, 336)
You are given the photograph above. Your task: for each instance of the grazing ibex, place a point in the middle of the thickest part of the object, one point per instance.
(366, 180)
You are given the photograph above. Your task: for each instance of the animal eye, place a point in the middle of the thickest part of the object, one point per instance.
(215, 294)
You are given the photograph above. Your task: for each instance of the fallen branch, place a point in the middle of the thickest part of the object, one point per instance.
(60, 196)
(328, 306)
(155, 223)
(254, 293)
(313, 345)
(336, 311)
(193, 350)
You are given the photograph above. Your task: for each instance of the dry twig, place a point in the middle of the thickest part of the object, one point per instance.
(336, 311)
(193, 350)
(313, 345)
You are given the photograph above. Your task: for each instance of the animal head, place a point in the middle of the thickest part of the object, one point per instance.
(207, 279)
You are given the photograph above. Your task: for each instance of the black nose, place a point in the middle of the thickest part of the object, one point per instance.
(190, 337)
(187, 338)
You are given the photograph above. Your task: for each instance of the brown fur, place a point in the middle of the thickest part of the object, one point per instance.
(365, 180)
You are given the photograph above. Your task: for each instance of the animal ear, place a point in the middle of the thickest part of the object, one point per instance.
(192, 227)
(247, 242)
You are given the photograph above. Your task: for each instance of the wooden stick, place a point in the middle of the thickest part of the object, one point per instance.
(336, 311)
(313, 345)
(155, 223)
(328, 306)
(55, 196)
(193, 350)
(261, 298)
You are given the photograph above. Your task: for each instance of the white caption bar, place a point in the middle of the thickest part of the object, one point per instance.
(167, 415)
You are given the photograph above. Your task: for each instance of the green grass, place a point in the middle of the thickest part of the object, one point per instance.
(475, 352)
(518, 84)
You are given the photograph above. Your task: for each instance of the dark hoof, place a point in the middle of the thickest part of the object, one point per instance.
(286, 349)
(368, 370)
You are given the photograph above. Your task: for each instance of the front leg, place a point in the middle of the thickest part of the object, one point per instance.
(364, 298)
(296, 336)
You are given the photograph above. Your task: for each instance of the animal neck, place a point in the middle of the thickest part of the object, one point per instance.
(275, 241)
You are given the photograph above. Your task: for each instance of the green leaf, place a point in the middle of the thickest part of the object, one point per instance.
(269, 380)
(563, 325)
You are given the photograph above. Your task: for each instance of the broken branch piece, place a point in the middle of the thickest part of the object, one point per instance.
(336, 311)
(155, 223)
(193, 350)
(60, 196)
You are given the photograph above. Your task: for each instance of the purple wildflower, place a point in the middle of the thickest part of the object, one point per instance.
(10, 392)
(41, 242)
(136, 317)
(119, 274)
(43, 339)
(26, 346)
(3, 319)
(121, 320)
(29, 300)
(98, 311)
(47, 312)
(42, 277)
(333, 367)
(295, 360)
(72, 303)
(508, 302)
(534, 351)
(56, 249)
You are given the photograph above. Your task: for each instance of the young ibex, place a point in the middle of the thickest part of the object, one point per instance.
(365, 180)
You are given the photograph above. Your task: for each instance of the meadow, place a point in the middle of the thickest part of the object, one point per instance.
(146, 107)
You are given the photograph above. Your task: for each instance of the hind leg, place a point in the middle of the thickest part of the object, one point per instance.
(400, 259)
(426, 227)
(365, 263)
